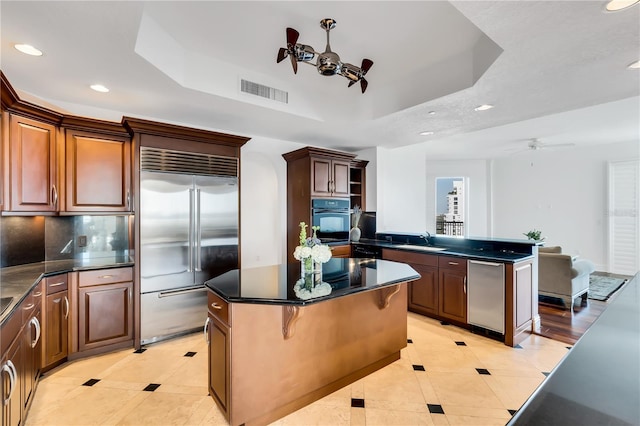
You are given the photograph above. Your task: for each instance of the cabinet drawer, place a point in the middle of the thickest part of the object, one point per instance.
(218, 307)
(341, 251)
(104, 276)
(456, 263)
(56, 284)
(30, 303)
(410, 257)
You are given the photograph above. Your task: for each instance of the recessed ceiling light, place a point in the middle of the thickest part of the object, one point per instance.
(99, 88)
(483, 107)
(634, 65)
(432, 113)
(426, 133)
(28, 49)
(615, 5)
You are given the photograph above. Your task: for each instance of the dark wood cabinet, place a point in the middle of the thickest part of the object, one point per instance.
(32, 171)
(219, 347)
(97, 172)
(341, 251)
(105, 308)
(358, 183)
(32, 344)
(55, 330)
(329, 177)
(452, 288)
(12, 382)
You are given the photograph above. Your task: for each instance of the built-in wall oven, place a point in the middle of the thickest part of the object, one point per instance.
(333, 218)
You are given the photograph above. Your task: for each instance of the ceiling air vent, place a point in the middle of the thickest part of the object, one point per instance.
(264, 91)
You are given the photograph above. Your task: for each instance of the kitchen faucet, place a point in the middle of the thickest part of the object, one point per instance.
(426, 237)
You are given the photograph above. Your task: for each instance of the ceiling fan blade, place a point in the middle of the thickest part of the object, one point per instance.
(366, 64)
(363, 84)
(282, 53)
(351, 83)
(292, 37)
(294, 64)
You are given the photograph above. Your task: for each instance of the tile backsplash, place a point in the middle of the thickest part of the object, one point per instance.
(35, 239)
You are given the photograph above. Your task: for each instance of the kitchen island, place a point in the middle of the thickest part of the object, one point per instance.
(278, 342)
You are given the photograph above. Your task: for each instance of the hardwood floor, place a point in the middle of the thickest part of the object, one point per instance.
(566, 326)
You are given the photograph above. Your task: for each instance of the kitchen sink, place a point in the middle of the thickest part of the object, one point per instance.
(422, 248)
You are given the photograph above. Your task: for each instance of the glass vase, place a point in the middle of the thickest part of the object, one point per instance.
(309, 267)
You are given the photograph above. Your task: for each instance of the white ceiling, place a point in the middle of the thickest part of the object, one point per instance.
(555, 70)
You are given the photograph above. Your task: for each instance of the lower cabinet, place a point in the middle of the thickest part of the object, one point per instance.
(105, 308)
(217, 331)
(22, 360)
(341, 251)
(55, 331)
(452, 288)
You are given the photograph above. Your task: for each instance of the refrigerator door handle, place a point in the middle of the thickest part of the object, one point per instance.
(198, 235)
(190, 248)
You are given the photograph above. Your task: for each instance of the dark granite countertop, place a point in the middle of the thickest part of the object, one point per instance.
(17, 281)
(598, 381)
(282, 284)
(474, 252)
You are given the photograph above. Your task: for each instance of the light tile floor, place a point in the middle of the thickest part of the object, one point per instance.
(446, 376)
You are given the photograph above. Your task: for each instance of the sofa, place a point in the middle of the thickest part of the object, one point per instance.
(563, 276)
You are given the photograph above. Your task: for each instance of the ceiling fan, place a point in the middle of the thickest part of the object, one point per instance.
(328, 62)
(535, 144)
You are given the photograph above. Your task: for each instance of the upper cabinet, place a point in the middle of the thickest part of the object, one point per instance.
(329, 177)
(31, 170)
(98, 166)
(357, 183)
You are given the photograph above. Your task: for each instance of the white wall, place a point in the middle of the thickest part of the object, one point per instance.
(370, 155)
(263, 201)
(407, 192)
(563, 193)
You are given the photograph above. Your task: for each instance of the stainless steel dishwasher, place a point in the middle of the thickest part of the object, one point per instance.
(485, 295)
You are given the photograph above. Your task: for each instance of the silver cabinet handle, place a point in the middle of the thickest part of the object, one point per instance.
(206, 330)
(54, 195)
(180, 292)
(36, 324)
(105, 277)
(66, 304)
(214, 305)
(29, 307)
(465, 285)
(198, 230)
(128, 200)
(191, 231)
(57, 284)
(11, 370)
(454, 263)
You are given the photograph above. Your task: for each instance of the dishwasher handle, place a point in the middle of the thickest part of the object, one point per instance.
(481, 262)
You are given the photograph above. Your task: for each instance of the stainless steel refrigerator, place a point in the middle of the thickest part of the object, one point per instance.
(188, 234)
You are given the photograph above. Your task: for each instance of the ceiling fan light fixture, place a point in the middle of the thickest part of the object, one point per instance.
(28, 49)
(616, 5)
(483, 107)
(426, 133)
(634, 65)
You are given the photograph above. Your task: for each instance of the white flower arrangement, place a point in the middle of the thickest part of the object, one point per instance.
(305, 291)
(311, 247)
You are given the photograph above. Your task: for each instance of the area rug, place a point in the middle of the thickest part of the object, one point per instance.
(602, 287)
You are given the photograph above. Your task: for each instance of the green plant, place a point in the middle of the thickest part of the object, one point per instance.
(534, 235)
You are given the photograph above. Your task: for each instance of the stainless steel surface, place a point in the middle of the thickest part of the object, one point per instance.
(188, 234)
(485, 295)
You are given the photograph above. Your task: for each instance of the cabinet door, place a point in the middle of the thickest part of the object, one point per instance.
(12, 383)
(105, 315)
(320, 177)
(32, 147)
(56, 336)
(32, 344)
(340, 179)
(423, 293)
(98, 173)
(219, 353)
(452, 295)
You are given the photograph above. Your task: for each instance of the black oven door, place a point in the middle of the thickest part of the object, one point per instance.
(333, 219)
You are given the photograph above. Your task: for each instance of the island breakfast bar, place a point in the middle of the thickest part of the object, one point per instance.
(278, 341)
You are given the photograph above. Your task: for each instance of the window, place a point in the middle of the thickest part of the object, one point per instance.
(450, 206)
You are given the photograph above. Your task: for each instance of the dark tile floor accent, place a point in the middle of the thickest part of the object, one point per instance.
(546, 373)
(190, 354)
(90, 382)
(151, 387)
(461, 344)
(418, 367)
(357, 402)
(512, 412)
(409, 341)
(139, 351)
(435, 408)
(483, 371)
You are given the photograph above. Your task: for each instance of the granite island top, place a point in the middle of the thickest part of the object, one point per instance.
(283, 284)
(17, 281)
